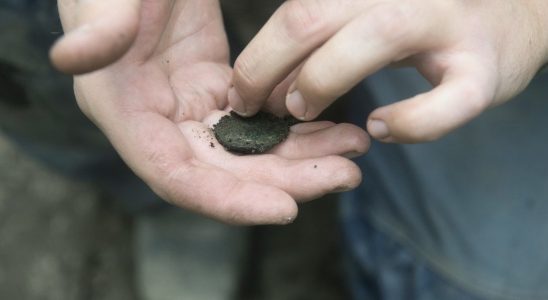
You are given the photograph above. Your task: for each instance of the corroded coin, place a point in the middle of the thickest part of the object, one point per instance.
(252, 135)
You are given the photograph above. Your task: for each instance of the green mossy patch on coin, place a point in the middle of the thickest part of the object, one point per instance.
(253, 135)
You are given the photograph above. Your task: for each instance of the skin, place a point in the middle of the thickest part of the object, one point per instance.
(156, 77)
(477, 54)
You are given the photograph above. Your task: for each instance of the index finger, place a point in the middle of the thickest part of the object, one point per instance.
(295, 30)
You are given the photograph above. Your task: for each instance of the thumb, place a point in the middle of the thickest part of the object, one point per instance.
(97, 33)
(463, 94)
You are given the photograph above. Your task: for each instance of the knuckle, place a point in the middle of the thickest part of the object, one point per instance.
(475, 98)
(248, 83)
(301, 20)
(393, 21)
(312, 83)
(243, 73)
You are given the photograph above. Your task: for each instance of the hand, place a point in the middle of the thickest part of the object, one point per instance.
(477, 54)
(157, 102)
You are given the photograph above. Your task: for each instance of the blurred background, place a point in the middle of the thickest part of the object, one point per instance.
(66, 236)
(61, 239)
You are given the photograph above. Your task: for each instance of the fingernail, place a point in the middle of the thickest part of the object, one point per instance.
(378, 129)
(236, 102)
(296, 105)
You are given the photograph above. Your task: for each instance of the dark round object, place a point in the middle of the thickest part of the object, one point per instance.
(252, 135)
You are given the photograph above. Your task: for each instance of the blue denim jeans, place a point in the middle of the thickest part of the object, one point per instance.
(380, 268)
(459, 218)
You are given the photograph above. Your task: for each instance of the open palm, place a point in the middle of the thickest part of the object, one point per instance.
(157, 104)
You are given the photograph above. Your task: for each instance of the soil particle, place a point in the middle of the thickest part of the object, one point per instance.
(253, 135)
